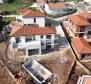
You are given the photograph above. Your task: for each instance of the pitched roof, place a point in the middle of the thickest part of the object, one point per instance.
(78, 20)
(81, 45)
(86, 14)
(40, 1)
(56, 5)
(31, 30)
(30, 13)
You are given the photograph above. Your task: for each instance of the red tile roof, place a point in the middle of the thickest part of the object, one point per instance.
(78, 20)
(86, 14)
(40, 1)
(23, 30)
(30, 13)
(56, 5)
(81, 45)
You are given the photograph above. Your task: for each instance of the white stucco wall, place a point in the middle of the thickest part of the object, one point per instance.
(87, 1)
(54, 11)
(35, 44)
(39, 20)
(28, 20)
(47, 9)
(1, 1)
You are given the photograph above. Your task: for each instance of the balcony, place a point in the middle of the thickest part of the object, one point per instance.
(32, 45)
(48, 40)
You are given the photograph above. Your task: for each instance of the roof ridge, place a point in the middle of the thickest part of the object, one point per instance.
(27, 12)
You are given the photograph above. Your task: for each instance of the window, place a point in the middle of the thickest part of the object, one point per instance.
(81, 35)
(17, 40)
(28, 39)
(42, 44)
(48, 47)
(89, 20)
(55, 36)
(34, 20)
(34, 37)
(33, 52)
(82, 28)
(89, 28)
(41, 36)
(56, 41)
(48, 37)
(18, 20)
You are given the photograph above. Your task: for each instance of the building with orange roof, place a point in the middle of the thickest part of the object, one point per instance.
(84, 79)
(28, 17)
(88, 1)
(32, 35)
(40, 2)
(79, 25)
(54, 8)
(81, 47)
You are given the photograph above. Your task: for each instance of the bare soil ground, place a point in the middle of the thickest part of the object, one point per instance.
(51, 61)
(60, 70)
(5, 77)
(77, 72)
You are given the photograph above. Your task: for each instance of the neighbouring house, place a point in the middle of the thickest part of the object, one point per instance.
(84, 79)
(2, 1)
(88, 1)
(34, 37)
(28, 17)
(81, 48)
(54, 8)
(79, 25)
(40, 2)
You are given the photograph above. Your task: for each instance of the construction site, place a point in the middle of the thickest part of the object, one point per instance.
(61, 64)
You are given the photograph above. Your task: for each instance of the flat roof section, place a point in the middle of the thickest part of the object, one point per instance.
(85, 79)
(39, 73)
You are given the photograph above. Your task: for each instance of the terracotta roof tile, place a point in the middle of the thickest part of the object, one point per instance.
(81, 45)
(56, 5)
(31, 30)
(86, 15)
(40, 1)
(30, 13)
(78, 20)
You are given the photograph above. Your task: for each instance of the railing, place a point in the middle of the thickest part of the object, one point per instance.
(27, 44)
(48, 40)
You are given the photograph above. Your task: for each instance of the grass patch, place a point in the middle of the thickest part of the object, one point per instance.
(15, 5)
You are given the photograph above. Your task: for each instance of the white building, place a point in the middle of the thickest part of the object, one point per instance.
(28, 17)
(56, 8)
(33, 37)
(2, 1)
(88, 1)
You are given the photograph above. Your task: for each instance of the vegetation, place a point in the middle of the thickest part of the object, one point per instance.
(61, 14)
(16, 4)
(59, 0)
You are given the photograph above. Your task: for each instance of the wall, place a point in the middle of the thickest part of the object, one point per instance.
(39, 20)
(1, 1)
(35, 44)
(28, 20)
(54, 11)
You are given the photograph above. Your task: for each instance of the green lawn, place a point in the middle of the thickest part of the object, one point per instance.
(17, 4)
